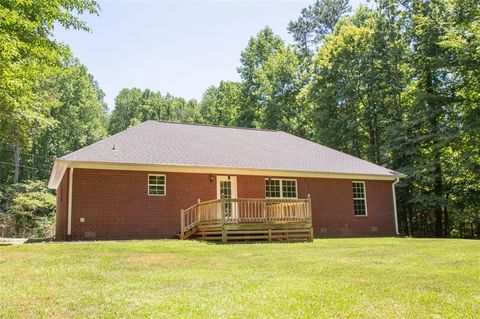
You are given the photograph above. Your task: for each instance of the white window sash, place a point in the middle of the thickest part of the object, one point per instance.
(281, 188)
(364, 198)
(164, 185)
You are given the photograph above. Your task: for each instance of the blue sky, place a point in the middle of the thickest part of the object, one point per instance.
(180, 47)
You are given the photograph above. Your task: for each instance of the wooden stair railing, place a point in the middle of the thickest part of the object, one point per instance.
(202, 212)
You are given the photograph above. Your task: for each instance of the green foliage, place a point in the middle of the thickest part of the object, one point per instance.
(77, 118)
(30, 208)
(258, 51)
(389, 85)
(220, 105)
(343, 90)
(315, 22)
(50, 106)
(27, 53)
(272, 77)
(134, 106)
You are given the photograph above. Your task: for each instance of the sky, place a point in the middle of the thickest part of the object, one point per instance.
(180, 47)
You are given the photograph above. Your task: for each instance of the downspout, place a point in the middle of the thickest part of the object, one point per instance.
(395, 205)
(70, 192)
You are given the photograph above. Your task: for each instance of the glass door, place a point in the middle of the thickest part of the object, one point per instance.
(227, 189)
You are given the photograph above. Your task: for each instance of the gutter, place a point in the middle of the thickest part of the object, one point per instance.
(395, 204)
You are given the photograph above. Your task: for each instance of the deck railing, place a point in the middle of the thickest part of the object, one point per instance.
(244, 210)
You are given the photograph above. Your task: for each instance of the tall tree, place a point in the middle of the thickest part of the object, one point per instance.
(272, 76)
(257, 52)
(220, 105)
(78, 117)
(28, 52)
(134, 106)
(348, 112)
(315, 22)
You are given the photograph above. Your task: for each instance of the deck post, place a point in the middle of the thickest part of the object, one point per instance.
(222, 211)
(309, 200)
(222, 215)
(266, 212)
(309, 205)
(182, 224)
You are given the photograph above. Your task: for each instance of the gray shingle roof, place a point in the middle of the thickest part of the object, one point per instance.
(211, 146)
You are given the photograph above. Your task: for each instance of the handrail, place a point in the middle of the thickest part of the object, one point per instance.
(245, 210)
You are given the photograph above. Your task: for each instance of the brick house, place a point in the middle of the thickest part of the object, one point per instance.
(167, 180)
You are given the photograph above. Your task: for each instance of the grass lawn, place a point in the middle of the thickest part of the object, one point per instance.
(343, 278)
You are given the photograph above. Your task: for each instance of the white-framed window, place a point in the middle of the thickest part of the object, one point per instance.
(359, 198)
(280, 188)
(157, 184)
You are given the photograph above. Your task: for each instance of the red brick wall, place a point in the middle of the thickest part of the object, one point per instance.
(115, 204)
(332, 205)
(62, 209)
(332, 208)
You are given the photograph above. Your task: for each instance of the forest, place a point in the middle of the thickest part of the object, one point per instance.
(396, 83)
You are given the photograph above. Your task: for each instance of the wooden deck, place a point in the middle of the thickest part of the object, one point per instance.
(247, 219)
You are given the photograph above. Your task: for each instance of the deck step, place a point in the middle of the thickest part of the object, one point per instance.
(253, 233)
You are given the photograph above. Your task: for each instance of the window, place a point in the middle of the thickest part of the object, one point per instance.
(280, 188)
(272, 188)
(359, 199)
(156, 185)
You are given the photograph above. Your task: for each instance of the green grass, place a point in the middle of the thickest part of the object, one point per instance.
(331, 278)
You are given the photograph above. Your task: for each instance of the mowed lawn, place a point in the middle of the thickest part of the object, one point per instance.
(329, 278)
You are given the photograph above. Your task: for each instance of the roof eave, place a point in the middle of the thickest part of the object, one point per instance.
(61, 165)
(58, 170)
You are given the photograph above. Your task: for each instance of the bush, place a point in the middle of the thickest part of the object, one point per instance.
(27, 210)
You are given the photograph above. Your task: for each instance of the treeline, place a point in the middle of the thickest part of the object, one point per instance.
(397, 84)
(49, 106)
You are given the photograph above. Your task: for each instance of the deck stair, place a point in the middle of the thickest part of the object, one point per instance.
(241, 220)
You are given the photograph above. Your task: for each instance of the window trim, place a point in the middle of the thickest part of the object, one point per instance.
(164, 185)
(281, 188)
(358, 198)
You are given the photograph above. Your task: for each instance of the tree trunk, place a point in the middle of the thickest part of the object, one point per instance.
(438, 191)
(478, 227)
(432, 110)
(446, 230)
(16, 155)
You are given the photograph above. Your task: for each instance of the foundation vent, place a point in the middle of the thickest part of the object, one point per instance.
(89, 234)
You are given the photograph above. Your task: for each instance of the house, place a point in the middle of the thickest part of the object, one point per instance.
(164, 180)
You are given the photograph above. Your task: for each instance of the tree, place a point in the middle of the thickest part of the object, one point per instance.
(29, 209)
(257, 52)
(279, 81)
(220, 105)
(389, 85)
(134, 106)
(28, 53)
(77, 118)
(347, 111)
(272, 76)
(315, 22)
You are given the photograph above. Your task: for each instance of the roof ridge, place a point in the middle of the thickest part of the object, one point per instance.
(211, 125)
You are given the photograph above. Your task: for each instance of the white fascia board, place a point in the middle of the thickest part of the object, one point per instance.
(61, 165)
(58, 170)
